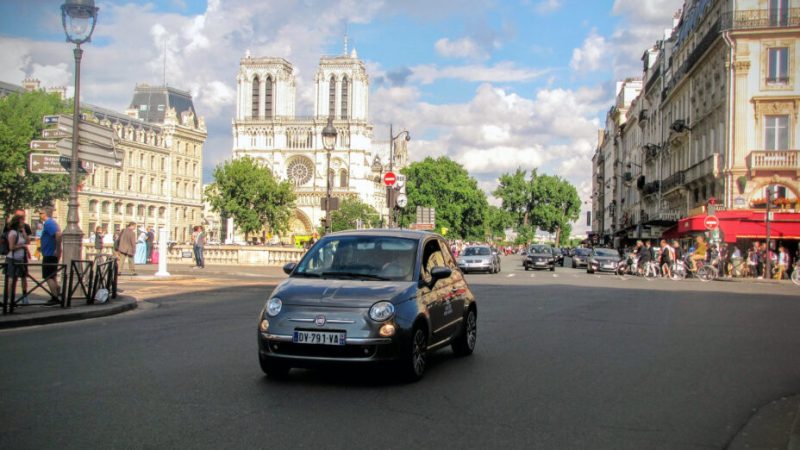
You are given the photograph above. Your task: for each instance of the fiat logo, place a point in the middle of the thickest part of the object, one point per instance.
(320, 321)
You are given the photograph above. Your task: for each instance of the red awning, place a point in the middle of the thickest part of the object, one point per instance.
(741, 224)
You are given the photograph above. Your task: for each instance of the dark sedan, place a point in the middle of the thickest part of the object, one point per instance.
(368, 296)
(603, 260)
(540, 257)
(580, 257)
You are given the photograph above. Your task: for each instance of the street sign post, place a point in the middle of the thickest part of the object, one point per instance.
(48, 163)
(89, 131)
(389, 179)
(87, 151)
(43, 145)
(50, 120)
(711, 222)
(55, 133)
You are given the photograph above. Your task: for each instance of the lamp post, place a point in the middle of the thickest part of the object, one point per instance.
(78, 18)
(767, 259)
(328, 141)
(389, 196)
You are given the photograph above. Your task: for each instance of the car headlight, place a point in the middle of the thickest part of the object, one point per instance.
(274, 306)
(460, 262)
(381, 311)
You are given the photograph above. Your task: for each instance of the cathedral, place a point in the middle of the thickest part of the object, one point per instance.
(266, 128)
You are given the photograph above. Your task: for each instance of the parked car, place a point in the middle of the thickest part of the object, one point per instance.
(603, 260)
(540, 257)
(479, 258)
(368, 296)
(559, 254)
(580, 256)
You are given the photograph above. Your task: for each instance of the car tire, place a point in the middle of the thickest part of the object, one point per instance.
(526, 268)
(272, 368)
(553, 268)
(414, 362)
(574, 266)
(589, 271)
(464, 343)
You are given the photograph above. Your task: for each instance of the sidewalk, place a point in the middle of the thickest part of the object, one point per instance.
(25, 316)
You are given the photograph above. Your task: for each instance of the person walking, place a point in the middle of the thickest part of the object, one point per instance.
(782, 262)
(141, 248)
(18, 255)
(127, 247)
(199, 238)
(151, 237)
(51, 253)
(98, 240)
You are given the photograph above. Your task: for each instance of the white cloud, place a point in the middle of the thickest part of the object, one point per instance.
(590, 56)
(501, 72)
(460, 48)
(547, 6)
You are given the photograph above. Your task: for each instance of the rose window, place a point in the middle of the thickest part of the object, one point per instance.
(300, 171)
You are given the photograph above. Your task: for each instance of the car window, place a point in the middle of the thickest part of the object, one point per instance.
(371, 257)
(477, 251)
(540, 249)
(432, 256)
(582, 252)
(448, 257)
(605, 252)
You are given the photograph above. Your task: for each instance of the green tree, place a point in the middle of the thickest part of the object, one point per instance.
(248, 192)
(350, 211)
(514, 191)
(20, 122)
(445, 185)
(497, 221)
(554, 204)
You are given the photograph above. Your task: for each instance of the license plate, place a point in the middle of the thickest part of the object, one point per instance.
(319, 337)
(608, 266)
(539, 263)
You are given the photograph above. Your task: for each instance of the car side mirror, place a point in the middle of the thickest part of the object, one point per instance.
(289, 268)
(438, 273)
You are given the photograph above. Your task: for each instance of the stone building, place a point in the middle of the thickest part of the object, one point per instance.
(266, 128)
(159, 184)
(718, 115)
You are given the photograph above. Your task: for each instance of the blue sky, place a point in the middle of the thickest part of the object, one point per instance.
(495, 85)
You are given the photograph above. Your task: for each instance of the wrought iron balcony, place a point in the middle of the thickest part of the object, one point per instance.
(675, 180)
(762, 18)
(651, 187)
(773, 160)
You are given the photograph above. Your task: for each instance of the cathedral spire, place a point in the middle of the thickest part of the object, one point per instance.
(345, 40)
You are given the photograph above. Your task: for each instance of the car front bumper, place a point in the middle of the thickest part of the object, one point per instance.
(355, 350)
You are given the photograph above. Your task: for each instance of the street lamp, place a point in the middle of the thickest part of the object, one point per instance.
(328, 141)
(78, 18)
(389, 196)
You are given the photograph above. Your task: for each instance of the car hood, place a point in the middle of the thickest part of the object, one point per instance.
(339, 293)
(481, 257)
(604, 259)
(539, 255)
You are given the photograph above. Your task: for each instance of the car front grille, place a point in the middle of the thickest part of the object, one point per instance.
(323, 351)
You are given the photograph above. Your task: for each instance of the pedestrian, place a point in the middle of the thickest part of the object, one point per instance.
(141, 248)
(127, 247)
(782, 262)
(18, 255)
(98, 240)
(199, 238)
(667, 257)
(51, 253)
(151, 237)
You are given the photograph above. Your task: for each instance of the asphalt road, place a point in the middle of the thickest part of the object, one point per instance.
(564, 360)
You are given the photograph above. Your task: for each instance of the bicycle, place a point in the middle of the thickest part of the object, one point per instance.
(678, 270)
(705, 271)
(651, 270)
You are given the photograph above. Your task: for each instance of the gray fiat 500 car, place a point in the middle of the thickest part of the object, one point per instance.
(368, 296)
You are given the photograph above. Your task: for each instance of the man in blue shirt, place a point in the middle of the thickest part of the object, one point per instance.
(51, 252)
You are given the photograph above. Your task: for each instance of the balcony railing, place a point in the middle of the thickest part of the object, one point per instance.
(762, 18)
(704, 168)
(651, 187)
(675, 180)
(772, 160)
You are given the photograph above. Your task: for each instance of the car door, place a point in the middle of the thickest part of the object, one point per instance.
(436, 298)
(453, 311)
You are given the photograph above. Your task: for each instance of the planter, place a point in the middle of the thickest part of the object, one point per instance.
(741, 183)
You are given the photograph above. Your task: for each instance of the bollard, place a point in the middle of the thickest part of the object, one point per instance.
(162, 254)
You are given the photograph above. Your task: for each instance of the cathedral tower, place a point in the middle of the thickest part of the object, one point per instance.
(342, 88)
(265, 89)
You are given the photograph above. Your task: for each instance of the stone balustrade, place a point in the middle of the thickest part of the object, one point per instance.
(246, 255)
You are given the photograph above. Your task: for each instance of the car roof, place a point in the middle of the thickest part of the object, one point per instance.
(387, 232)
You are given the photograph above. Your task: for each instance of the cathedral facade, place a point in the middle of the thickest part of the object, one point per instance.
(266, 128)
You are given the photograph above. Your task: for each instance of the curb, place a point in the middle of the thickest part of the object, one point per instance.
(119, 305)
(775, 425)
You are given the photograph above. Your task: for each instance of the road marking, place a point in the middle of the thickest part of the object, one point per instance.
(555, 276)
(533, 275)
(510, 275)
(574, 276)
(597, 276)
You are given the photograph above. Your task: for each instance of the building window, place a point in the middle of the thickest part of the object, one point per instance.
(117, 208)
(129, 209)
(343, 178)
(141, 185)
(345, 97)
(119, 181)
(140, 211)
(778, 65)
(778, 13)
(130, 182)
(332, 97)
(163, 163)
(268, 97)
(161, 212)
(104, 207)
(776, 132)
(256, 94)
(92, 205)
(151, 211)
(152, 162)
(106, 179)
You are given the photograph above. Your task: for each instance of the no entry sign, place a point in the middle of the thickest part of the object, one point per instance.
(389, 179)
(711, 222)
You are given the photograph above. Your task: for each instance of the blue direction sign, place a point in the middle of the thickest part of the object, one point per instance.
(50, 120)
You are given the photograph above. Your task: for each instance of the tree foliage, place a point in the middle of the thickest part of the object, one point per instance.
(350, 211)
(497, 221)
(248, 192)
(20, 122)
(550, 203)
(441, 183)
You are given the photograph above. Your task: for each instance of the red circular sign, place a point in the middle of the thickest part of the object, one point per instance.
(711, 222)
(389, 179)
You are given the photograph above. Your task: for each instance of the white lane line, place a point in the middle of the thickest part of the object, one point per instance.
(510, 275)
(533, 275)
(574, 276)
(555, 276)
(597, 276)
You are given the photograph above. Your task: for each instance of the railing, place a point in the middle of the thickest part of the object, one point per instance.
(651, 187)
(773, 160)
(248, 255)
(699, 50)
(704, 168)
(675, 180)
(10, 298)
(762, 18)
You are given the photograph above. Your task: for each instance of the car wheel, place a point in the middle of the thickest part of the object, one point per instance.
(416, 359)
(273, 368)
(553, 268)
(526, 268)
(464, 343)
(574, 266)
(589, 271)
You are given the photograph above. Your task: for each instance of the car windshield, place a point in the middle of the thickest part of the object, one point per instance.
(582, 252)
(477, 251)
(360, 257)
(605, 252)
(540, 249)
